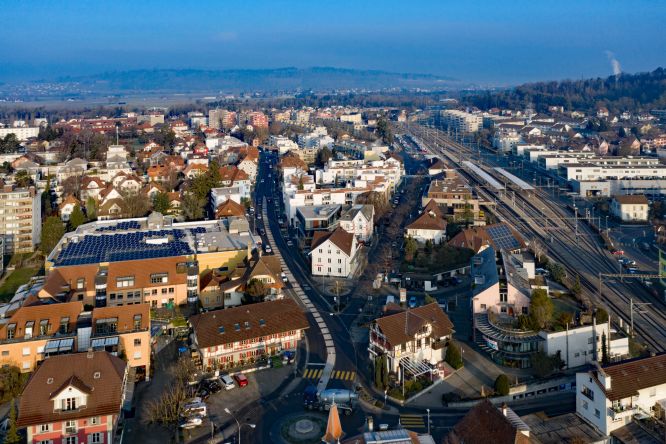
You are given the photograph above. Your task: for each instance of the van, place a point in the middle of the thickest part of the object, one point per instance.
(227, 382)
(390, 299)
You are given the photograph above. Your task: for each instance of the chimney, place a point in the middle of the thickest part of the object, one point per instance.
(504, 408)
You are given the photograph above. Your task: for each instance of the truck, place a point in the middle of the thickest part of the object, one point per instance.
(314, 399)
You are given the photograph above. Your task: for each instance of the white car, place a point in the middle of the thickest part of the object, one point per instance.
(191, 422)
(227, 382)
(284, 277)
(268, 249)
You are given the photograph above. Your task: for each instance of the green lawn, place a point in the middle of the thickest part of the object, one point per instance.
(17, 278)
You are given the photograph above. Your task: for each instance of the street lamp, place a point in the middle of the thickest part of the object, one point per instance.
(252, 426)
(428, 410)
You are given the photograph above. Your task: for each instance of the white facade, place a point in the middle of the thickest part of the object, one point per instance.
(283, 144)
(330, 260)
(594, 405)
(630, 211)
(462, 121)
(576, 346)
(21, 133)
(358, 224)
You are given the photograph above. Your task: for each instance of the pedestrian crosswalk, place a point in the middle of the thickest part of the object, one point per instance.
(412, 421)
(342, 375)
(312, 373)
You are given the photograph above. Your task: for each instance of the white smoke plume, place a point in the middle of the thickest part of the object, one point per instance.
(615, 63)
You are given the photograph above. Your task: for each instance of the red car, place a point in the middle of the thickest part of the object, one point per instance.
(241, 379)
(618, 252)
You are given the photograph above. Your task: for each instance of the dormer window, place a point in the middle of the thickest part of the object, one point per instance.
(11, 331)
(43, 327)
(64, 325)
(28, 329)
(69, 404)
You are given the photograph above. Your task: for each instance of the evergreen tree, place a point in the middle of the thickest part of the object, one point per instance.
(604, 349)
(502, 385)
(161, 203)
(52, 231)
(77, 218)
(12, 436)
(453, 355)
(91, 209)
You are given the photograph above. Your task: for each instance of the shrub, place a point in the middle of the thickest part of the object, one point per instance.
(453, 355)
(502, 385)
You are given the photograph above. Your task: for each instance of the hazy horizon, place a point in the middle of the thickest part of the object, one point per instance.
(481, 41)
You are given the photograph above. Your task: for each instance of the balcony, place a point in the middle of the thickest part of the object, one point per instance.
(589, 394)
(621, 412)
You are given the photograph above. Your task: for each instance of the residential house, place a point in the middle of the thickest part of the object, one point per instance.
(413, 340)
(359, 221)
(610, 397)
(74, 399)
(430, 226)
(229, 208)
(67, 206)
(486, 423)
(237, 336)
(334, 253)
(630, 208)
(91, 187)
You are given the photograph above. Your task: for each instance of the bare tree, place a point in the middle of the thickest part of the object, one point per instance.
(537, 248)
(134, 204)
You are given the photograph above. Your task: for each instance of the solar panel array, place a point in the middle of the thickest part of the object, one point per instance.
(503, 238)
(126, 246)
(121, 226)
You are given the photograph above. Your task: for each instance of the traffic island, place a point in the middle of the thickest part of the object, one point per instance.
(305, 428)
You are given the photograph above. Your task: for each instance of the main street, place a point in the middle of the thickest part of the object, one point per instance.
(544, 217)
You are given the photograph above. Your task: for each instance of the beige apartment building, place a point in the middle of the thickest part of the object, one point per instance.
(36, 332)
(20, 218)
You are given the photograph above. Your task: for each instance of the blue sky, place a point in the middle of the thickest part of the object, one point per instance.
(508, 41)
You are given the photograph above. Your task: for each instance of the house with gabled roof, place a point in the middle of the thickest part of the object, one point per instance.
(236, 336)
(413, 340)
(74, 399)
(429, 226)
(486, 423)
(67, 206)
(334, 253)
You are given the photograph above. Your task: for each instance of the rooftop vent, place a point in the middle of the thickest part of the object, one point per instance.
(97, 375)
(49, 381)
(262, 323)
(237, 326)
(220, 329)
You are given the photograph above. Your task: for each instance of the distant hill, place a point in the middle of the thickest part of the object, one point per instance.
(625, 92)
(193, 80)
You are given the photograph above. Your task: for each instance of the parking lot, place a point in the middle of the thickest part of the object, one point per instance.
(260, 384)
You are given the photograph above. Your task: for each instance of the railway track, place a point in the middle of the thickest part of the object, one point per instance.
(591, 257)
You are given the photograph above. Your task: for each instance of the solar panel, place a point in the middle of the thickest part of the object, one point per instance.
(503, 238)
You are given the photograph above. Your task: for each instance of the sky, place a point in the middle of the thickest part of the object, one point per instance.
(490, 42)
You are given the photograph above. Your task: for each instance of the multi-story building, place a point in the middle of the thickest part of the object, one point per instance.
(20, 218)
(630, 208)
(283, 144)
(147, 260)
(414, 340)
(359, 221)
(236, 336)
(611, 396)
(334, 253)
(258, 119)
(34, 333)
(22, 132)
(461, 121)
(74, 399)
(454, 193)
(312, 219)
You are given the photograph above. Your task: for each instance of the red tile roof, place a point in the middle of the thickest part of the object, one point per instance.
(101, 374)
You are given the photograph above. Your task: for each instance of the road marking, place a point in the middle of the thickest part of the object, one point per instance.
(415, 421)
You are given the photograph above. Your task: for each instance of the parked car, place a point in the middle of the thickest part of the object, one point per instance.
(618, 252)
(227, 382)
(190, 422)
(284, 277)
(241, 379)
(268, 249)
(290, 243)
(213, 386)
(412, 302)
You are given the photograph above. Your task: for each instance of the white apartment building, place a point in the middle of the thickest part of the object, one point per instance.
(461, 121)
(236, 193)
(630, 208)
(20, 218)
(21, 133)
(334, 253)
(519, 149)
(358, 220)
(283, 144)
(591, 172)
(551, 160)
(506, 141)
(576, 345)
(609, 397)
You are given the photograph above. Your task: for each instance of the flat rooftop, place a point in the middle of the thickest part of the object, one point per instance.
(145, 238)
